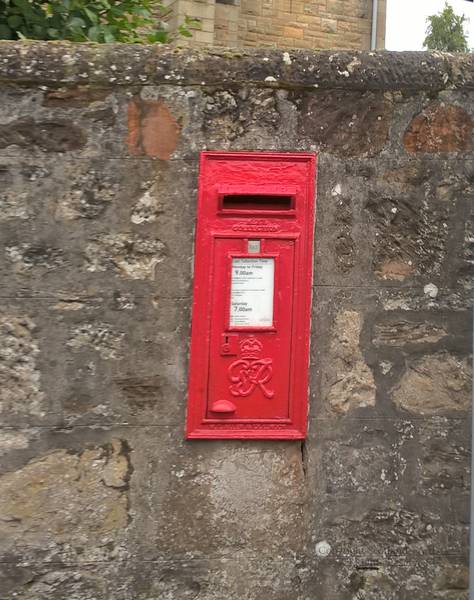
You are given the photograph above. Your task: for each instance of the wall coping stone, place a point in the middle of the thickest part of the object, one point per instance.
(57, 64)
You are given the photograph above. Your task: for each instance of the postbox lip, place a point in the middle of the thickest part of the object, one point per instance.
(201, 433)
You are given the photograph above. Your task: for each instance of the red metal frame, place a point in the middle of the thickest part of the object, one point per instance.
(266, 379)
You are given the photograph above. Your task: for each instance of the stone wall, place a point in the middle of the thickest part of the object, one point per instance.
(101, 497)
(281, 23)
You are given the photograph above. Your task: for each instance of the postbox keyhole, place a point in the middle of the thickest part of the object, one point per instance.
(225, 345)
(229, 344)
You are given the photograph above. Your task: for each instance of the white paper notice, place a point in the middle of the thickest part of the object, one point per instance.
(251, 295)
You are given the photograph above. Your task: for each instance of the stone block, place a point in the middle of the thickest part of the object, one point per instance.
(351, 383)
(440, 128)
(435, 384)
(347, 124)
(329, 25)
(63, 497)
(293, 32)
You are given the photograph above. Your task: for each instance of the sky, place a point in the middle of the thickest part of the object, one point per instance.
(406, 21)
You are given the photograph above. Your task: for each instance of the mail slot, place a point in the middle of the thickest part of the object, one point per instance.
(256, 202)
(252, 296)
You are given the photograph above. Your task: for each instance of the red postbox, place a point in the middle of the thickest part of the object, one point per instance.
(252, 296)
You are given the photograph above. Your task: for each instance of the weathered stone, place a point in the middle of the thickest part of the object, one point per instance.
(434, 384)
(394, 580)
(50, 136)
(399, 333)
(395, 270)
(456, 299)
(411, 236)
(410, 174)
(128, 255)
(351, 383)
(443, 457)
(65, 497)
(12, 440)
(265, 484)
(99, 336)
(13, 204)
(346, 123)
(89, 197)
(20, 378)
(147, 208)
(454, 577)
(152, 129)
(344, 243)
(351, 470)
(77, 97)
(26, 257)
(69, 64)
(63, 582)
(233, 116)
(370, 582)
(117, 470)
(440, 128)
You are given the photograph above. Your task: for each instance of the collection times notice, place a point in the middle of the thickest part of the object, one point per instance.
(251, 295)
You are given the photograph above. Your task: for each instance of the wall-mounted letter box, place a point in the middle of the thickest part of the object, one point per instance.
(252, 296)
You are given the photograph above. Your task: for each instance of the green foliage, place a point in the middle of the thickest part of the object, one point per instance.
(446, 32)
(132, 21)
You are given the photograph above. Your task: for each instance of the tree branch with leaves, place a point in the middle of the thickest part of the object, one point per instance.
(445, 31)
(131, 21)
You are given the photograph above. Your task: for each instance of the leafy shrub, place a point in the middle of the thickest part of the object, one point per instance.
(132, 21)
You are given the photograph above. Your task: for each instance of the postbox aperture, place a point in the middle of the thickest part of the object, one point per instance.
(252, 296)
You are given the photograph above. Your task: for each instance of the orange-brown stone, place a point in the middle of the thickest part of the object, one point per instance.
(395, 270)
(152, 129)
(440, 128)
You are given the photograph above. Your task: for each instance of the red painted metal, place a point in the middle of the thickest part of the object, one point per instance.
(249, 378)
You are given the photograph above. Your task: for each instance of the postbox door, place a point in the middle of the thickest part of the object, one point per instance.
(250, 343)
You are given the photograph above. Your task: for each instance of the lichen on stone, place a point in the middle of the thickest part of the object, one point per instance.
(20, 378)
(128, 255)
